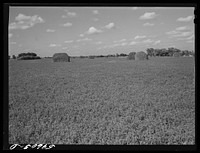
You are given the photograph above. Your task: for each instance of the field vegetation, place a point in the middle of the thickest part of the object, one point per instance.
(102, 101)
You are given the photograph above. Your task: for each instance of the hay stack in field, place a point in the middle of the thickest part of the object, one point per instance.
(91, 57)
(141, 56)
(131, 56)
(176, 54)
(61, 57)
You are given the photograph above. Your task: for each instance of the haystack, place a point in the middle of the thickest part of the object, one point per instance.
(91, 57)
(61, 57)
(131, 56)
(176, 54)
(141, 56)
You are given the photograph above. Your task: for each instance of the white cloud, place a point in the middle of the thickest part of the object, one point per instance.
(172, 32)
(93, 30)
(134, 8)
(10, 35)
(68, 24)
(22, 17)
(157, 42)
(65, 48)
(25, 22)
(98, 42)
(191, 37)
(96, 19)
(84, 39)
(54, 45)
(186, 19)
(183, 34)
(148, 15)
(69, 14)
(117, 41)
(124, 43)
(148, 24)
(69, 41)
(133, 43)
(81, 35)
(182, 28)
(110, 26)
(148, 41)
(139, 37)
(190, 41)
(50, 30)
(95, 11)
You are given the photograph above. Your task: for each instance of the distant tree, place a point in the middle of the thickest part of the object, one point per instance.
(122, 54)
(27, 54)
(150, 51)
(14, 57)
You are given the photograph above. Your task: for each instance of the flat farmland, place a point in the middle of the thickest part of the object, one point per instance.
(102, 101)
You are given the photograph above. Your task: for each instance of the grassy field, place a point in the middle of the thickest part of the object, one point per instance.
(102, 101)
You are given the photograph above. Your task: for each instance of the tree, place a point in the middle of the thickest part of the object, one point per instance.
(14, 57)
(150, 51)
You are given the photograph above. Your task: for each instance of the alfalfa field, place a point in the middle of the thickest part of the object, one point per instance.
(102, 101)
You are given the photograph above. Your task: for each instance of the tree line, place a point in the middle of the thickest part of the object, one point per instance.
(150, 52)
(168, 52)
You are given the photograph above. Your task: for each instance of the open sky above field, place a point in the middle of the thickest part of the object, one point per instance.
(99, 30)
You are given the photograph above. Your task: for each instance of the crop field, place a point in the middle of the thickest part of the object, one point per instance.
(102, 101)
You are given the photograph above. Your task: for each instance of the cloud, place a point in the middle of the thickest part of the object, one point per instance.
(180, 32)
(182, 28)
(10, 35)
(190, 41)
(148, 24)
(54, 45)
(191, 37)
(96, 19)
(133, 43)
(139, 37)
(110, 26)
(98, 42)
(84, 39)
(25, 22)
(186, 19)
(172, 32)
(183, 34)
(81, 35)
(157, 42)
(65, 48)
(69, 41)
(134, 8)
(148, 15)
(93, 30)
(68, 24)
(50, 30)
(148, 41)
(69, 15)
(117, 41)
(95, 12)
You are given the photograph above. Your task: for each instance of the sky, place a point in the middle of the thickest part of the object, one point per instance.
(98, 30)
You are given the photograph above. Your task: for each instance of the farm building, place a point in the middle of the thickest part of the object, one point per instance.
(141, 56)
(61, 57)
